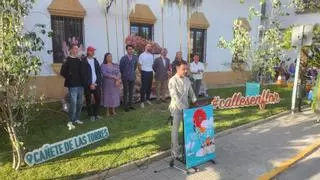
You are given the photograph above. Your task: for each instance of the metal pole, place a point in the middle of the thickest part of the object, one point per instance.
(296, 76)
(107, 27)
(116, 19)
(180, 24)
(188, 32)
(123, 36)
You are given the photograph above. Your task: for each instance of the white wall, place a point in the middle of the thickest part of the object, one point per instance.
(220, 15)
(40, 15)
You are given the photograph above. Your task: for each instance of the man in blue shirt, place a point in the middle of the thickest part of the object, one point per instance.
(128, 66)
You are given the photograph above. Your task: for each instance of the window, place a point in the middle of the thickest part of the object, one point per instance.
(198, 43)
(66, 32)
(143, 30)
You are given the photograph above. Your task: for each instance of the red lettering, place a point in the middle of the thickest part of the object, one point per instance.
(258, 98)
(214, 102)
(237, 100)
(271, 99)
(221, 103)
(252, 100)
(277, 97)
(233, 99)
(228, 102)
(265, 95)
(247, 101)
(242, 101)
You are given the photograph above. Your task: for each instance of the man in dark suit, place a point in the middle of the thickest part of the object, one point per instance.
(128, 66)
(161, 67)
(92, 77)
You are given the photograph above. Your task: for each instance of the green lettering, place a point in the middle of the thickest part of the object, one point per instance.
(48, 153)
(90, 137)
(53, 153)
(66, 146)
(61, 150)
(42, 156)
(36, 158)
(71, 144)
(77, 143)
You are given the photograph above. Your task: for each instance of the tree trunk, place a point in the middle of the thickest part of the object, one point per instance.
(17, 154)
(15, 142)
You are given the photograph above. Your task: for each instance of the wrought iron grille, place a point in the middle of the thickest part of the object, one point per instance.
(198, 43)
(67, 31)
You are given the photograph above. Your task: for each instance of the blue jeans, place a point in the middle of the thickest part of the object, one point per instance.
(76, 100)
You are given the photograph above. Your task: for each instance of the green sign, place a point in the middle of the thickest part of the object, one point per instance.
(51, 151)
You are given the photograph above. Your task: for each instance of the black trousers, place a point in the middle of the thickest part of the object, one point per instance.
(93, 99)
(128, 87)
(196, 84)
(146, 85)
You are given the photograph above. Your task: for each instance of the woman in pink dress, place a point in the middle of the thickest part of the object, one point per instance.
(111, 84)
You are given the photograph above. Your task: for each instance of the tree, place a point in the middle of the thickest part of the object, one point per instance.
(263, 54)
(18, 65)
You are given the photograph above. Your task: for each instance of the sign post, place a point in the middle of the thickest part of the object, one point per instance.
(301, 36)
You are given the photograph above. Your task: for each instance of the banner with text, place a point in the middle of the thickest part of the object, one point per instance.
(238, 100)
(51, 151)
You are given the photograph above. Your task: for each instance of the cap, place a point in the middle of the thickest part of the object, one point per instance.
(90, 48)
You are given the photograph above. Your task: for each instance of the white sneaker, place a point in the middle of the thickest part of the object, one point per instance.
(79, 122)
(98, 117)
(70, 126)
(142, 105)
(149, 102)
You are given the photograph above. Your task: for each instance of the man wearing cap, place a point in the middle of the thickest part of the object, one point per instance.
(92, 81)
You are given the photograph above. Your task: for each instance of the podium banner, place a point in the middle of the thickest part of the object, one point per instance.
(199, 135)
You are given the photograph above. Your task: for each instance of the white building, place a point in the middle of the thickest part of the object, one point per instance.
(86, 21)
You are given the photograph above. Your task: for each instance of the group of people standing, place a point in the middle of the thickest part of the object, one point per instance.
(101, 83)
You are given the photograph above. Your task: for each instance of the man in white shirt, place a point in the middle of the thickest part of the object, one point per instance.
(180, 91)
(145, 67)
(196, 69)
(92, 78)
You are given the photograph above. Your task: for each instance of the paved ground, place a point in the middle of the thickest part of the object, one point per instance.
(308, 168)
(246, 154)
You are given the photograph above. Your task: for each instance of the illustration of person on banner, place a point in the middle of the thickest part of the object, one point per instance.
(180, 89)
(316, 99)
(199, 119)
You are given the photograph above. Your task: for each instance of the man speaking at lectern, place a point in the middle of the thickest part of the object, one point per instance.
(180, 89)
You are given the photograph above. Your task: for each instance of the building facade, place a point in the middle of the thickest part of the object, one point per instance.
(86, 23)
